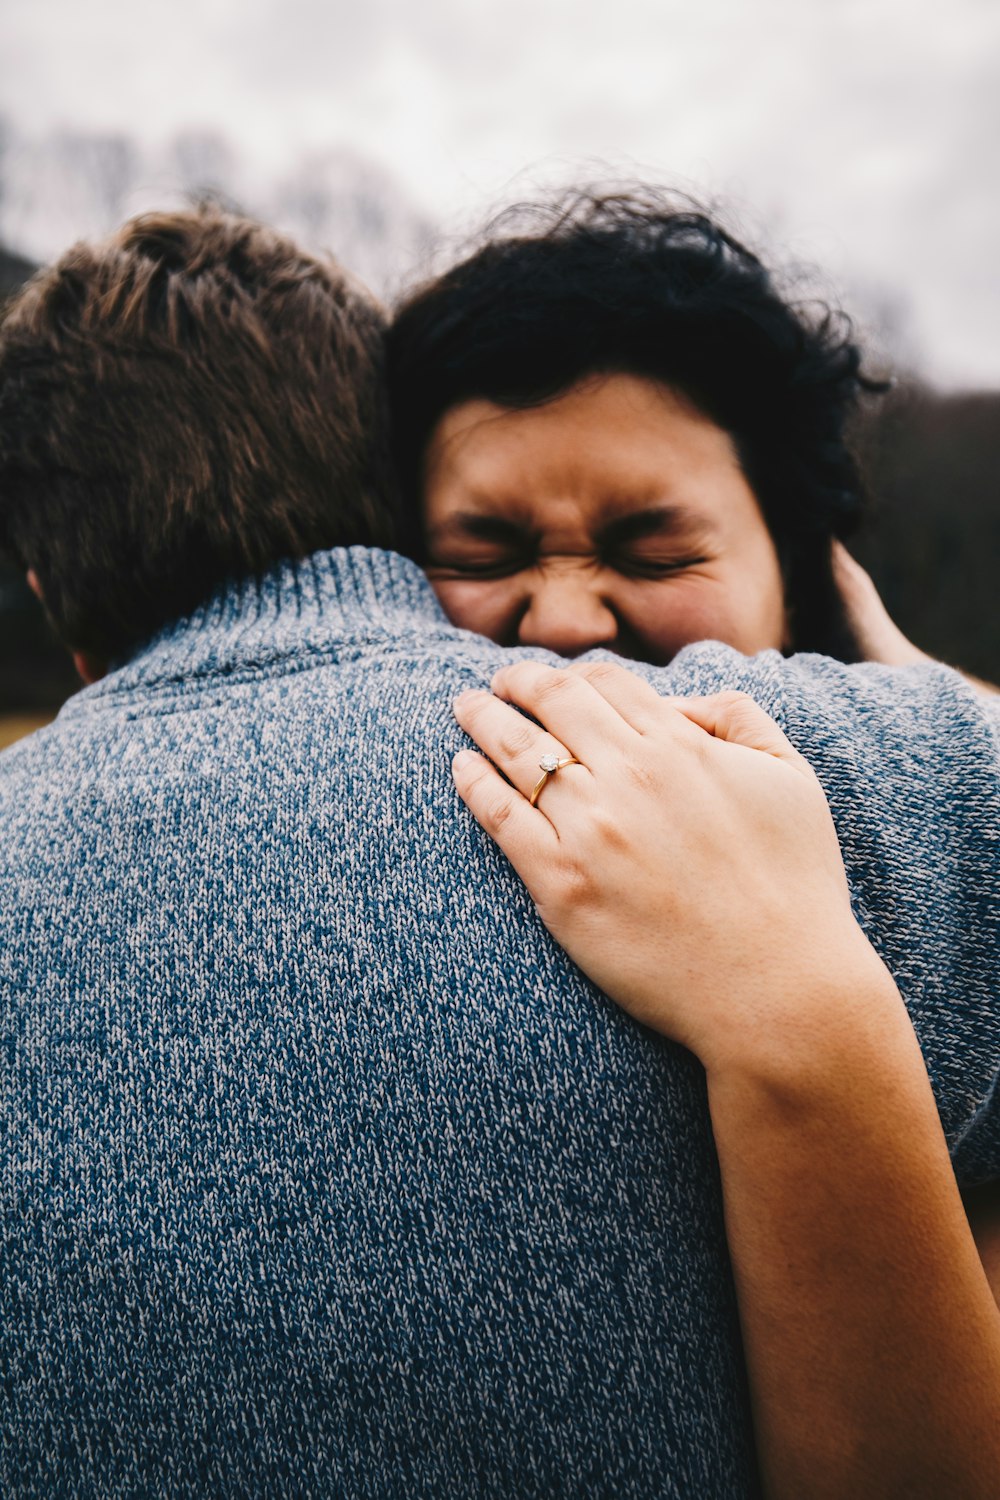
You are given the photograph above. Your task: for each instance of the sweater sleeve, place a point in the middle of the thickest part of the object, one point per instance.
(910, 762)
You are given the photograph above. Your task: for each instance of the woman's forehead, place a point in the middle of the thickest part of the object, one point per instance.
(609, 446)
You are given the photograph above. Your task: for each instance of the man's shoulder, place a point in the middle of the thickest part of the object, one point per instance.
(923, 710)
(38, 760)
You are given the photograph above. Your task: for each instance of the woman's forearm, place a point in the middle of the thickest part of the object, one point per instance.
(871, 1333)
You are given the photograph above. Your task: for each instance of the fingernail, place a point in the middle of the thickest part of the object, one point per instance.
(467, 697)
(463, 758)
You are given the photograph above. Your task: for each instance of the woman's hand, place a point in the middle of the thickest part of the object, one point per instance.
(689, 863)
(879, 638)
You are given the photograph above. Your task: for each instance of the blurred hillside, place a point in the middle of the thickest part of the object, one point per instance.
(14, 271)
(933, 544)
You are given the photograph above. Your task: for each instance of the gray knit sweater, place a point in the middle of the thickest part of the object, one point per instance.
(325, 1172)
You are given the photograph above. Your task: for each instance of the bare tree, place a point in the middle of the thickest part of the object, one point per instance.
(205, 163)
(105, 166)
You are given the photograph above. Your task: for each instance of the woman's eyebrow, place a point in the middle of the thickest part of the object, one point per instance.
(653, 521)
(483, 528)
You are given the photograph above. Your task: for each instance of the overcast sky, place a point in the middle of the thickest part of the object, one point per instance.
(862, 135)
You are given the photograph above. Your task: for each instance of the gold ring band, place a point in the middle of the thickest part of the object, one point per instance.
(549, 765)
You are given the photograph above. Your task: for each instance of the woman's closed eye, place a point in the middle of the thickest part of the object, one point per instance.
(654, 542)
(653, 565)
(481, 565)
(472, 545)
(504, 564)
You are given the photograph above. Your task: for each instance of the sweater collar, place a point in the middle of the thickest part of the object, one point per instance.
(319, 605)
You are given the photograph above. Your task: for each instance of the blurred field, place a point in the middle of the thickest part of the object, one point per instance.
(16, 726)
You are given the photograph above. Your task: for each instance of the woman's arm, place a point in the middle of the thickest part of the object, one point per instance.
(691, 867)
(871, 1334)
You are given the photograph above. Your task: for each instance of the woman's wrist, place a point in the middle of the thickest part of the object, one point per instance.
(814, 1029)
(870, 1331)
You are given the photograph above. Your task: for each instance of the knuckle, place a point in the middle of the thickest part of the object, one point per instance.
(475, 774)
(496, 814)
(472, 705)
(606, 833)
(516, 678)
(574, 880)
(643, 776)
(751, 717)
(552, 684)
(518, 739)
(595, 671)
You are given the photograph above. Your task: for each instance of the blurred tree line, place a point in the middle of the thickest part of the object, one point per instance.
(932, 544)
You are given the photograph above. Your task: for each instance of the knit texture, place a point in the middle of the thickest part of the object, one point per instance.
(325, 1172)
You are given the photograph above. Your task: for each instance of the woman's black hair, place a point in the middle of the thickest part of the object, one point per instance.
(633, 283)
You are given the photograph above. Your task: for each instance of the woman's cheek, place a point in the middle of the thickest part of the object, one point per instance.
(486, 606)
(675, 612)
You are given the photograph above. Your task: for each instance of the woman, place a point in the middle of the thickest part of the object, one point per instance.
(617, 433)
(613, 430)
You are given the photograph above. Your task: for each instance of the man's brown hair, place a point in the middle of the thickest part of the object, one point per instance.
(190, 400)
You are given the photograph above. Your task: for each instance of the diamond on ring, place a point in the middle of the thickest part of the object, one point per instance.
(549, 764)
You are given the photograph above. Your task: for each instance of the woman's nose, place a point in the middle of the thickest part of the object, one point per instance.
(567, 613)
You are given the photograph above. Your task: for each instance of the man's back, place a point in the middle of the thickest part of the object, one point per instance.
(327, 1173)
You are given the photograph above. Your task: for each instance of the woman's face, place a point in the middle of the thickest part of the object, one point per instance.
(615, 515)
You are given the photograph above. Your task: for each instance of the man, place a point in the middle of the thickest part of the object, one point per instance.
(327, 1173)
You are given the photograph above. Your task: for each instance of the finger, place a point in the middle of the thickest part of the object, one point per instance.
(638, 704)
(512, 742)
(877, 635)
(529, 841)
(848, 574)
(857, 590)
(739, 720)
(568, 707)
